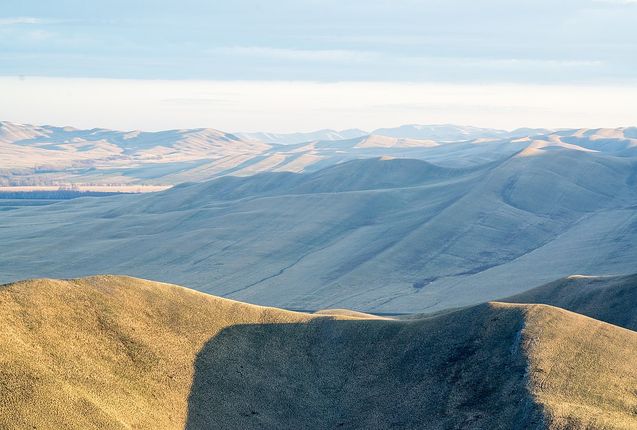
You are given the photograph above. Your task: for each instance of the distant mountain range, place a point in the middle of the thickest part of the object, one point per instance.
(454, 133)
(292, 138)
(437, 132)
(47, 155)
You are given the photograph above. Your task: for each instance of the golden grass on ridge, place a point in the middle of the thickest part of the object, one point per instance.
(114, 352)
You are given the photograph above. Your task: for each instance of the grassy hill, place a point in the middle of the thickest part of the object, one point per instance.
(607, 298)
(376, 235)
(116, 352)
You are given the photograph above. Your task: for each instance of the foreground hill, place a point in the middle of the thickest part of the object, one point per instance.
(116, 352)
(384, 235)
(607, 298)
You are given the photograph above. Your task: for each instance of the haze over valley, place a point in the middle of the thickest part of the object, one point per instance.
(44, 156)
(374, 223)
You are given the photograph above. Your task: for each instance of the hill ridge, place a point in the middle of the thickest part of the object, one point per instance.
(134, 353)
(45, 155)
(606, 298)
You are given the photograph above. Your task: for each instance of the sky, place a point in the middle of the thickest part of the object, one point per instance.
(283, 65)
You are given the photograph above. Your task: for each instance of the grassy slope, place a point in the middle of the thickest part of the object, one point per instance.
(414, 236)
(612, 299)
(106, 352)
(116, 352)
(582, 370)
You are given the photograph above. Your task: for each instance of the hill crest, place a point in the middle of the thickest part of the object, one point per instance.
(116, 352)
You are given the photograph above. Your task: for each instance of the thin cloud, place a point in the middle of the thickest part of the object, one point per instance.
(19, 20)
(497, 62)
(283, 105)
(463, 41)
(618, 2)
(192, 101)
(348, 56)
(330, 55)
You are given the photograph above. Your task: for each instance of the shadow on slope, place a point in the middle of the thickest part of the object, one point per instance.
(113, 352)
(463, 370)
(493, 366)
(354, 175)
(375, 235)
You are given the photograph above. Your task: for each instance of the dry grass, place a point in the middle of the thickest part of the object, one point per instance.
(116, 352)
(106, 352)
(612, 299)
(583, 371)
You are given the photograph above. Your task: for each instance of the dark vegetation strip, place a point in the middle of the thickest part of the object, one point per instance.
(56, 195)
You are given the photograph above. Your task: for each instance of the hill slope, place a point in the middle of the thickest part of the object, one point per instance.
(116, 352)
(46, 155)
(611, 299)
(386, 235)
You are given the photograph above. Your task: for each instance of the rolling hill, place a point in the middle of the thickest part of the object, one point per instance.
(48, 155)
(384, 235)
(51, 156)
(45, 155)
(606, 298)
(292, 138)
(116, 352)
(435, 132)
(441, 132)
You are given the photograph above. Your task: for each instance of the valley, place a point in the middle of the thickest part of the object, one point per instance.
(384, 234)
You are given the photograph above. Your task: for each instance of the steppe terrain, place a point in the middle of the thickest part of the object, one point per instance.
(34, 155)
(449, 277)
(114, 352)
(477, 221)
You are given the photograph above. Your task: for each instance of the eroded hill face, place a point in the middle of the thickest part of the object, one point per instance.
(117, 352)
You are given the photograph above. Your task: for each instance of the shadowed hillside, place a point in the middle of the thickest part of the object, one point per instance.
(379, 235)
(116, 352)
(446, 373)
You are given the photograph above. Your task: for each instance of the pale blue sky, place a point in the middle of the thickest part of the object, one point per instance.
(588, 43)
